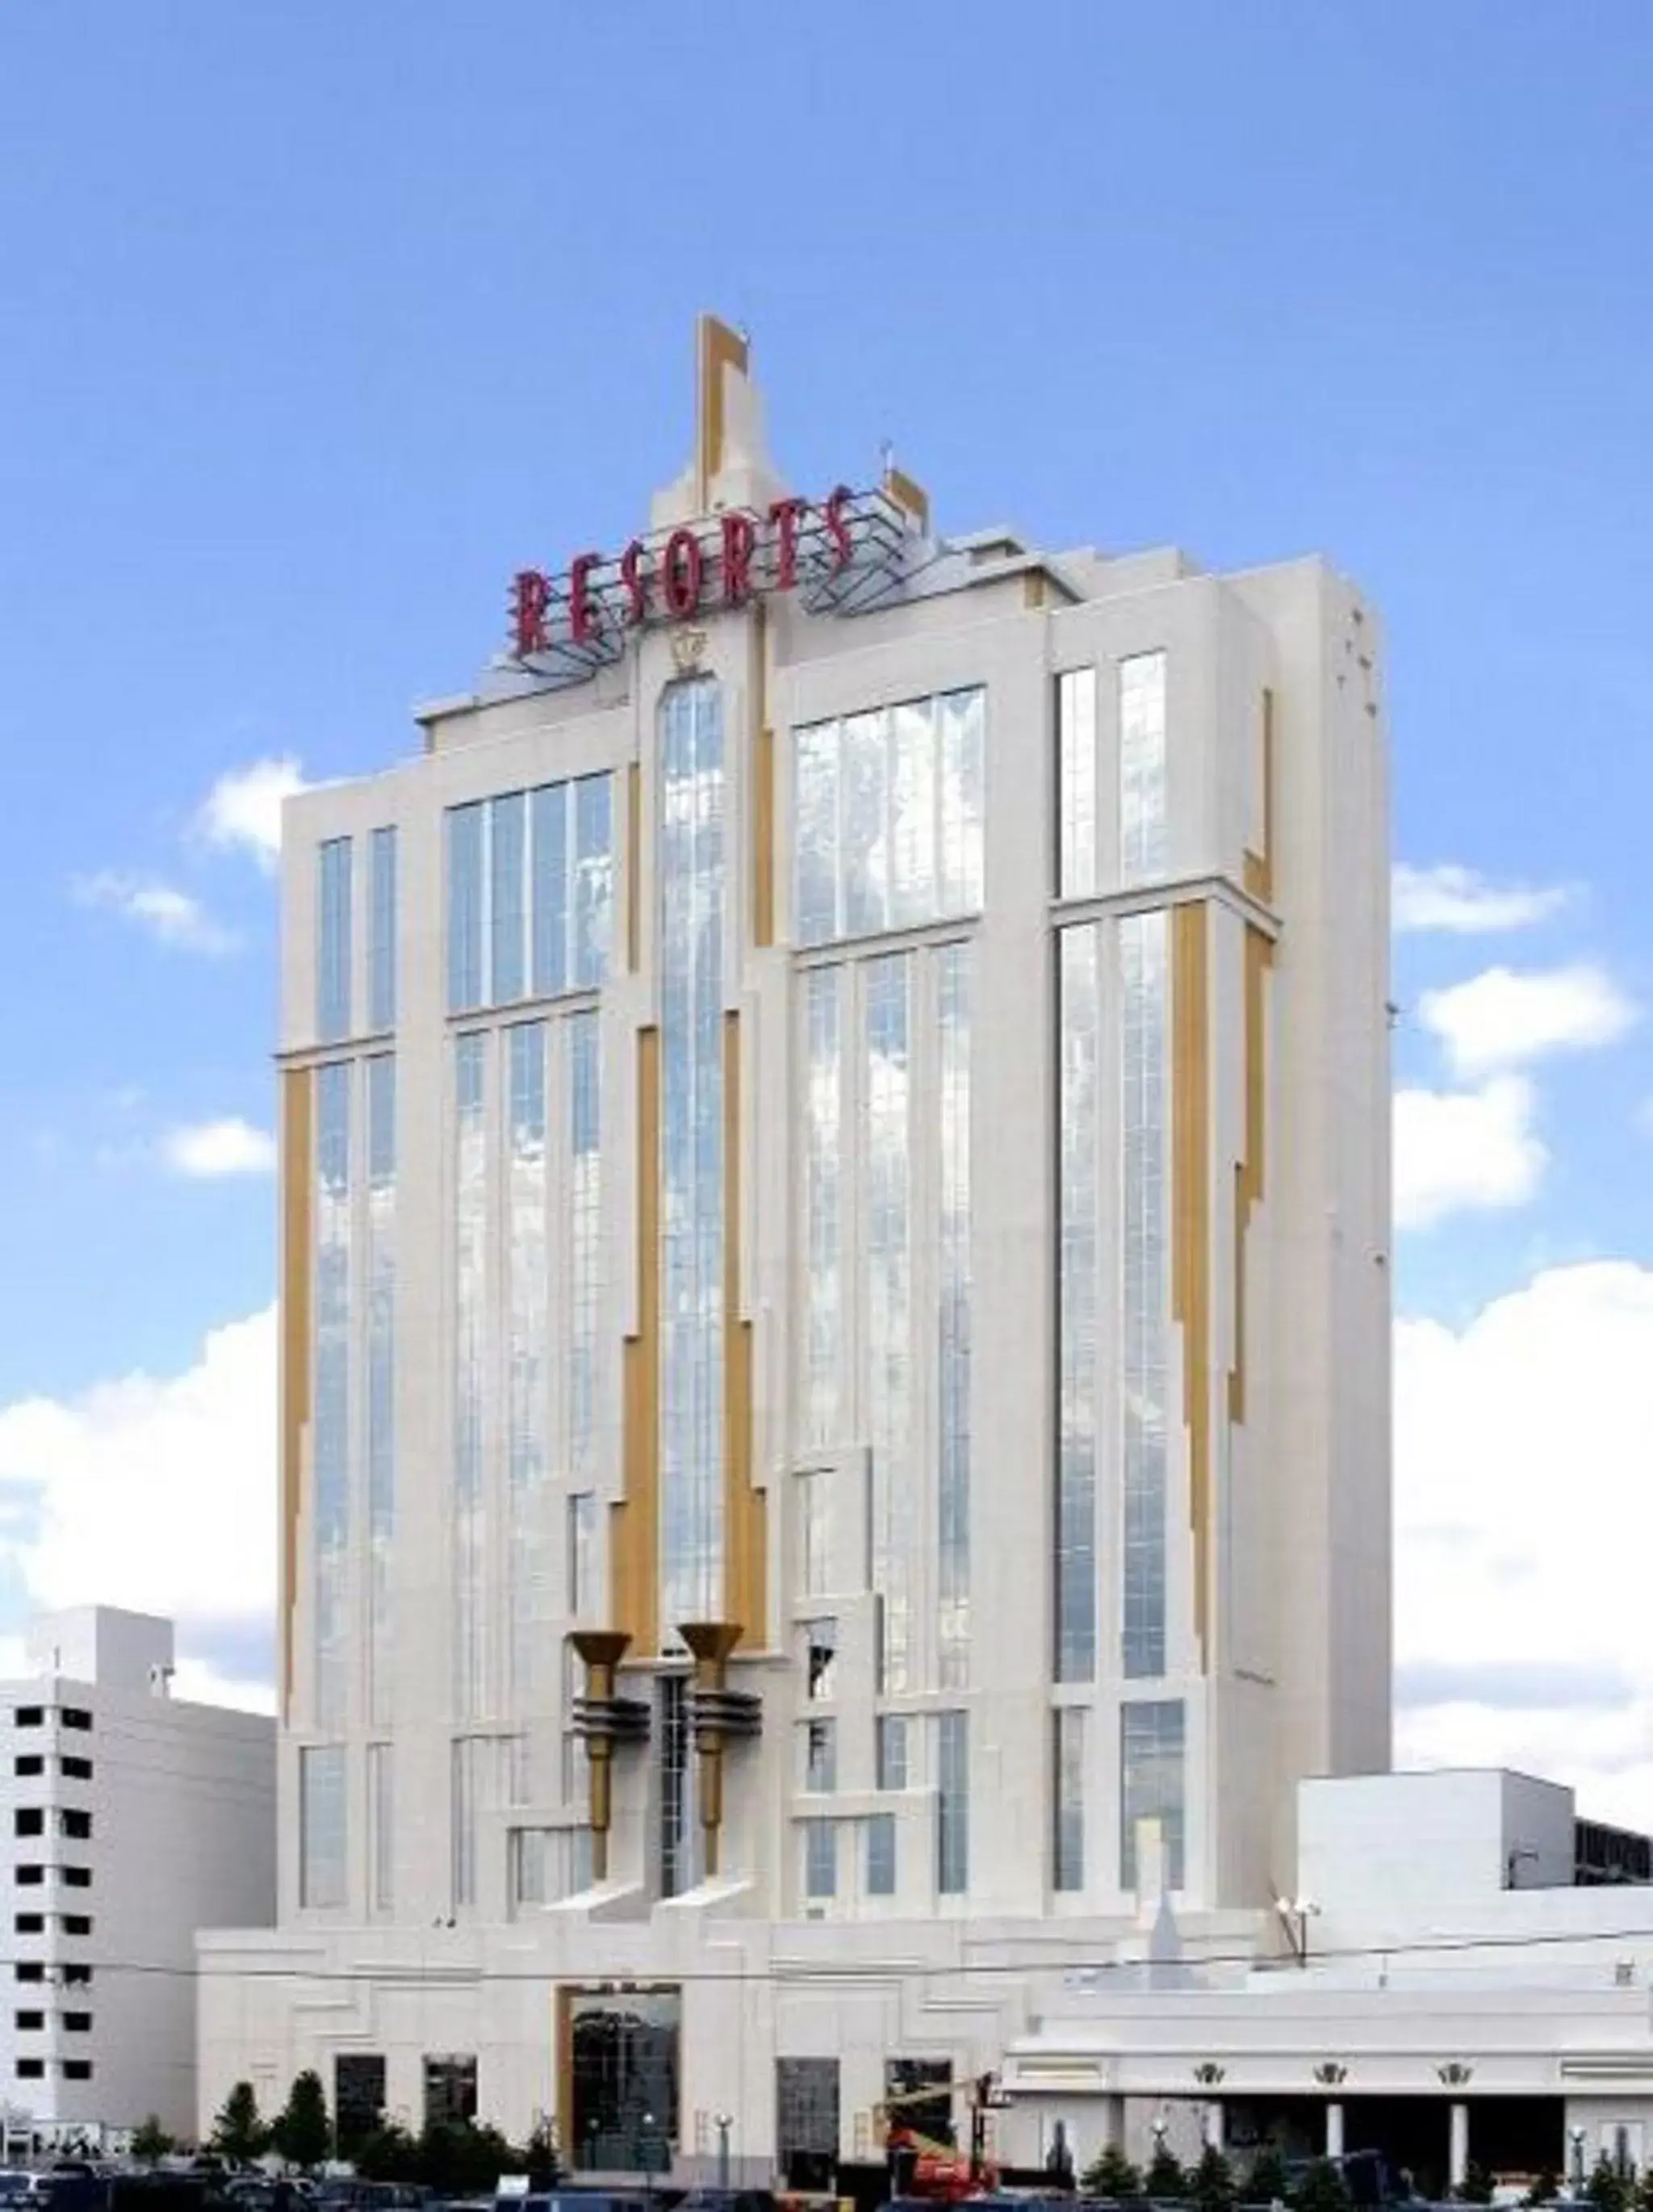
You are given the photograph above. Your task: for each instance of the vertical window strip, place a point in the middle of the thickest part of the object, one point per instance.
(467, 1780)
(548, 819)
(953, 1318)
(1076, 810)
(323, 1861)
(507, 840)
(812, 1496)
(881, 1855)
(887, 817)
(890, 1751)
(584, 1231)
(582, 1535)
(333, 948)
(820, 1858)
(952, 1803)
(680, 1833)
(381, 1813)
(332, 1437)
(381, 1378)
(1078, 1426)
(1145, 1289)
(823, 1186)
(593, 889)
(527, 1332)
(692, 890)
(381, 944)
(466, 906)
(888, 1310)
(1152, 1784)
(470, 1364)
(1142, 778)
(1068, 1797)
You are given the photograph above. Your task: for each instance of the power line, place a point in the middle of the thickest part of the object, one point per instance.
(839, 1971)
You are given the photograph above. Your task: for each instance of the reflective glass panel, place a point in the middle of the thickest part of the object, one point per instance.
(1145, 1302)
(1078, 1434)
(381, 948)
(330, 1441)
(527, 1348)
(466, 903)
(593, 883)
(333, 953)
(824, 1180)
(1152, 1784)
(548, 812)
(953, 1318)
(952, 1803)
(470, 1369)
(322, 1851)
(509, 858)
(1142, 818)
(1068, 1761)
(381, 1377)
(1076, 783)
(889, 1308)
(881, 1855)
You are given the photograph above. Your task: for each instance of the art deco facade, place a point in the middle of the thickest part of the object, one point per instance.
(835, 1299)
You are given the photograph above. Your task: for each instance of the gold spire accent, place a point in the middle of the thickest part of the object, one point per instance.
(717, 348)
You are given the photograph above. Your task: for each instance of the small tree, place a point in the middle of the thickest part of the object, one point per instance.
(1476, 2187)
(389, 2153)
(1323, 2189)
(1266, 2184)
(1607, 2188)
(1643, 2190)
(239, 2132)
(150, 2140)
(1164, 2179)
(1211, 2185)
(1112, 2174)
(1546, 2188)
(302, 2134)
(539, 2158)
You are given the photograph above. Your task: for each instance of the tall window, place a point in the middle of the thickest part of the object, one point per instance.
(1077, 1429)
(527, 1333)
(1152, 1784)
(823, 1201)
(889, 1309)
(470, 1369)
(322, 1860)
(381, 941)
(881, 1855)
(820, 1858)
(692, 890)
(1069, 1764)
(889, 1751)
(813, 1498)
(382, 1828)
(1076, 872)
(474, 1787)
(585, 1224)
(382, 1375)
(680, 1867)
(888, 822)
(952, 1803)
(530, 893)
(332, 1418)
(582, 1534)
(820, 1748)
(1142, 811)
(334, 941)
(1145, 1304)
(953, 1320)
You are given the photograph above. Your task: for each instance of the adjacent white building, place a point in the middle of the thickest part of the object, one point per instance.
(835, 1316)
(130, 1819)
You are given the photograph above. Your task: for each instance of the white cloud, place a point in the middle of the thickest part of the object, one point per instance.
(1505, 1017)
(244, 807)
(229, 1148)
(1465, 1150)
(171, 917)
(159, 1494)
(1463, 903)
(1523, 1530)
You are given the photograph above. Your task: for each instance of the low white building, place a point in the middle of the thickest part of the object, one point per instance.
(1464, 1971)
(130, 1819)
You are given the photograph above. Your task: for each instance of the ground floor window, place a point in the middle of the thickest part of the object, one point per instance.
(358, 2096)
(806, 2122)
(908, 2106)
(625, 2070)
(450, 2089)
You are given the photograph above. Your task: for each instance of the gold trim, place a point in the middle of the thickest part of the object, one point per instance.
(1260, 867)
(634, 1519)
(744, 1509)
(1248, 1171)
(718, 348)
(298, 1198)
(633, 866)
(907, 494)
(1191, 1226)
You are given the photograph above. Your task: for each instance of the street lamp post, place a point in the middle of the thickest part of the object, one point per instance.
(723, 2122)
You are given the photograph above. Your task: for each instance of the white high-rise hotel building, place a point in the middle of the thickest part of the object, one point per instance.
(835, 1121)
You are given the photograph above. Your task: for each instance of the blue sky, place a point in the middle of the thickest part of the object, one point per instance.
(321, 320)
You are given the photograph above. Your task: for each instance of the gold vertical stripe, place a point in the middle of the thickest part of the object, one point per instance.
(635, 1552)
(720, 347)
(1248, 1171)
(298, 1201)
(1190, 1231)
(745, 1523)
(1260, 867)
(633, 866)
